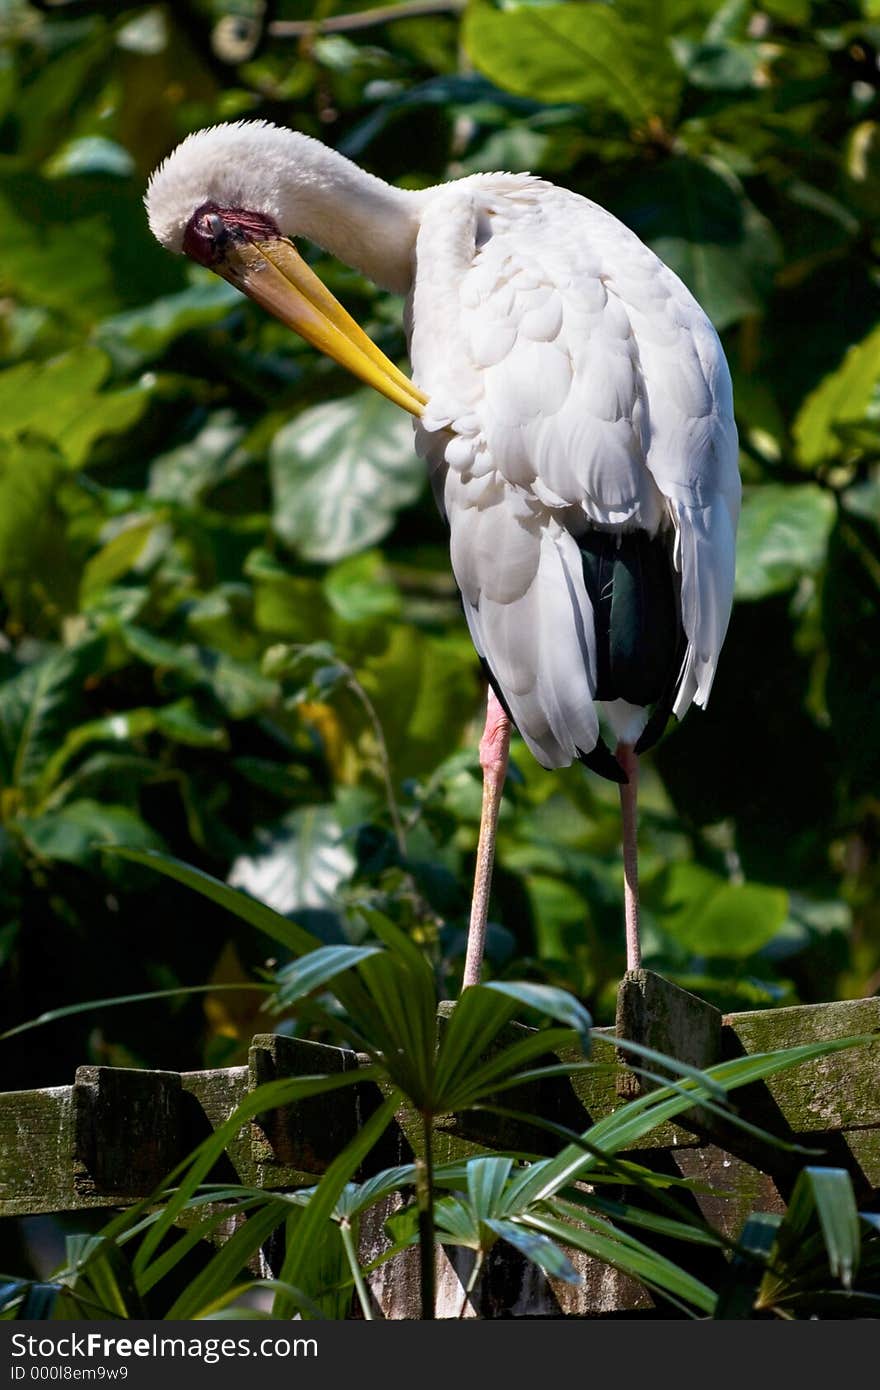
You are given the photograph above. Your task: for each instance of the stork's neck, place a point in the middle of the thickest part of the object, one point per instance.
(365, 222)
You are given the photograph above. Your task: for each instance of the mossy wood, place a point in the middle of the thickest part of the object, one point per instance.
(111, 1137)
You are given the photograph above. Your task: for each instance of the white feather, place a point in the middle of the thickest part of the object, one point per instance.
(623, 418)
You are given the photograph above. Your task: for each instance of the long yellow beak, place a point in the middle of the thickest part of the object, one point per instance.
(275, 276)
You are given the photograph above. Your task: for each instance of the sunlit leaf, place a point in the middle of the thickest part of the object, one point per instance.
(710, 915)
(318, 968)
(842, 398)
(340, 473)
(783, 536)
(299, 863)
(62, 401)
(583, 53)
(557, 1004)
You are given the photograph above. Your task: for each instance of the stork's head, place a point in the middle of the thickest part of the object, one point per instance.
(229, 197)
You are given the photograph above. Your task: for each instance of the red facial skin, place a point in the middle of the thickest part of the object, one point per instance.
(211, 229)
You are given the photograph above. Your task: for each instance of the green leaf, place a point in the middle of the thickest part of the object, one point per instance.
(359, 589)
(716, 63)
(76, 831)
(90, 154)
(39, 1303)
(287, 605)
(554, 1003)
(216, 453)
(827, 1193)
(196, 1166)
(486, 1182)
(62, 401)
(37, 570)
(179, 722)
(465, 1037)
(104, 1270)
(739, 1290)
(356, 1198)
(631, 1122)
(538, 1248)
(783, 535)
(66, 266)
(229, 1261)
(186, 1240)
(316, 969)
(842, 398)
(138, 336)
(130, 549)
(238, 685)
(340, 473)
(502, 1069)
(148, 996)
(38, 706)
(583, 53)
(422, 689)
(711, 916)
(631, 1257)
(694, 1231)
(402, 1024)
(11, 1290)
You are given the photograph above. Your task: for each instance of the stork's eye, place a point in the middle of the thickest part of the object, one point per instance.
(211, 228)
(205, 235)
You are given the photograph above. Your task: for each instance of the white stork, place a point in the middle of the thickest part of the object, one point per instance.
(574, 406)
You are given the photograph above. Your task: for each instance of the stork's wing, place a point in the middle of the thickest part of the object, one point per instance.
(573, 382)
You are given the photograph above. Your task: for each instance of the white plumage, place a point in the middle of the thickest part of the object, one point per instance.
(573, 382)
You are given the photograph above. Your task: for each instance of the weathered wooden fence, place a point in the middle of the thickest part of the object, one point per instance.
(110, 1138)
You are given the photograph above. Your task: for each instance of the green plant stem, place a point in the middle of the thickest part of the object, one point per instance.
(362, 19)
(363, 1292)
(425, 1200)
(472, 1282)
(358, 691)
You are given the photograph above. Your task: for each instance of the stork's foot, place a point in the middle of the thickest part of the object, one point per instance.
(494, 750)
(629, 792)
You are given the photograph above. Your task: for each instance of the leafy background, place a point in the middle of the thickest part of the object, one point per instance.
(229, 628)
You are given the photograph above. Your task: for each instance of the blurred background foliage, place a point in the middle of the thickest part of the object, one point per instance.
(229, 628)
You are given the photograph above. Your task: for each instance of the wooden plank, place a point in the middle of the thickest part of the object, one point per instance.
(741, 1188)
(209, 1098)
(841, 1091)
(36, 1145)
(655, 1013)
(126, 1131)
(294, 1144)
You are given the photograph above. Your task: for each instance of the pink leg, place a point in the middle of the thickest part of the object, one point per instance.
(629, 793)
(494, 748)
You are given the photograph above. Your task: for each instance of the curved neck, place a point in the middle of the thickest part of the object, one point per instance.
(365, 222)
